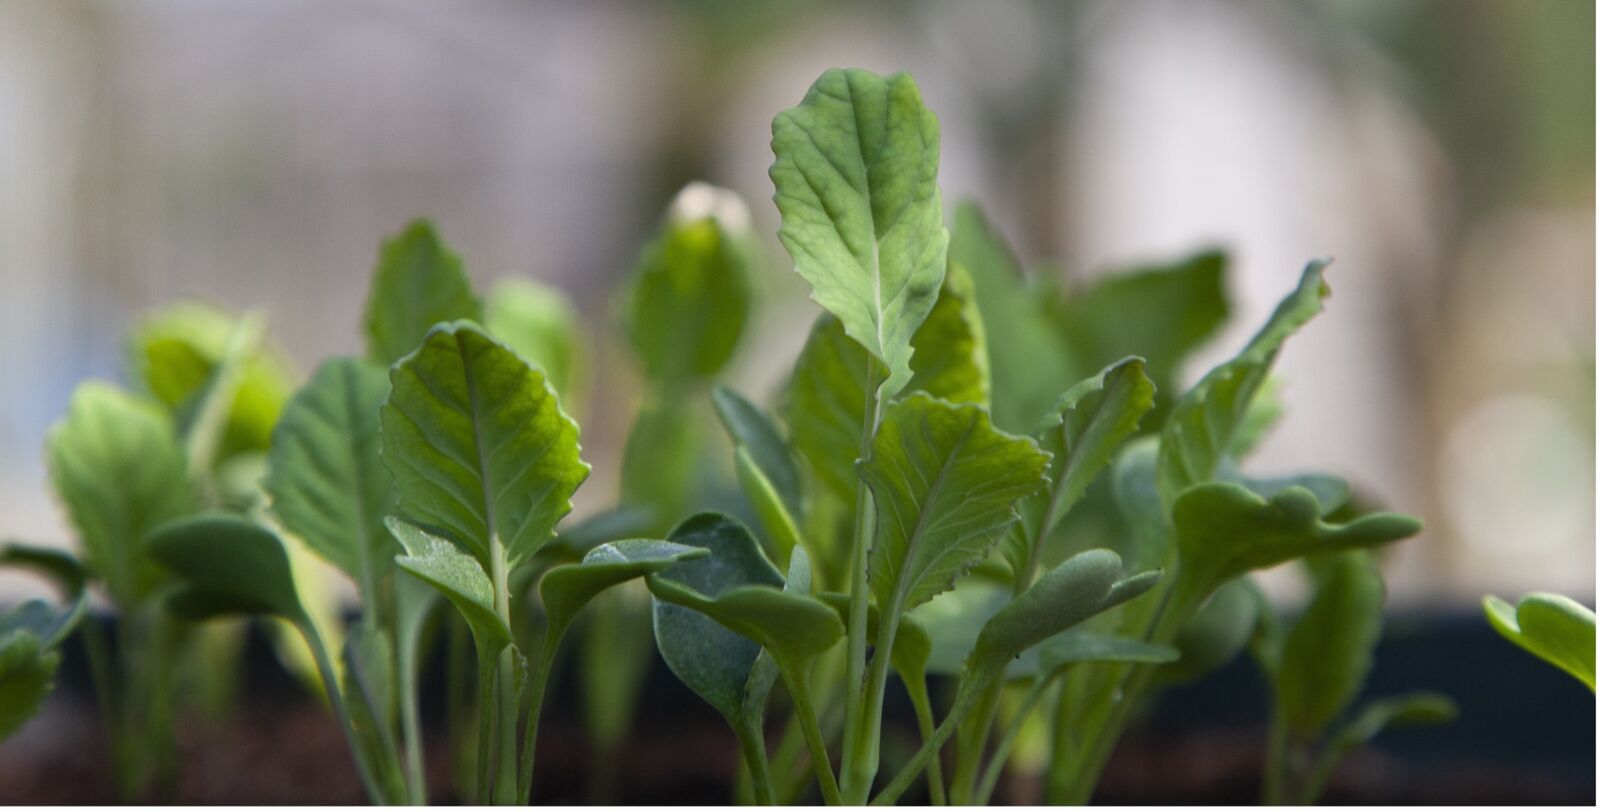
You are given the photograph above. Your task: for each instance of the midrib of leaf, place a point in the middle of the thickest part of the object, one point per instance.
(497, 551)
(919, 534)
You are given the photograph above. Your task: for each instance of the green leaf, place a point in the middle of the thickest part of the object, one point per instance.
(1332, 492)
(327, 485)
(856, 176)
(955, 619)
(1029, 362)
(950, 355)
(60, 566)
(661, 461)
(117, 467)
(783, 532)
(1215, 634)
(1081, 433)
(1410, 710)
(826, 405)
(1328, 651)
(457, 576)
(1160, 313)
(540, 323)
(1554, 628)
(1076, 647)
(419, 282)
(1138, 500)
(827, 395)
(48, 624)
(1077, 589)
(752, 429)
(175, 354)
(713, 661)
(27, 674)
(1202, 427)
(1224, 530)
(228, 565)
(689, 298)
(944, 481)
(478, 444)
(567, 589)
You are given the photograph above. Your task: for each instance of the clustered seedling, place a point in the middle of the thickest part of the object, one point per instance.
(930, 504)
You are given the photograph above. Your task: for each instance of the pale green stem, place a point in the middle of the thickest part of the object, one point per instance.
(1272, 780)
(971, 739)
(1008, 740)
(799, 685)
(860, 768)
(1321, 773)
(755, 758)
(536, 687)
(330, 681)
(918, 690)
(411, 727)
(966, 700)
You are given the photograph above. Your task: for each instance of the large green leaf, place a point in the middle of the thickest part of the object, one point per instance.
(1201, 429)
(175, 354)
(228, 565)
(689, 299)
(418, 283)
(1328, 651)
(540, 323)
(478, 444)
(714, 661)
(324, 477)
(1554, 628)
(1158, 313)
(1224, 530)
(27, 673)
(1081, 433)
(944, 481)
(856, 176)
(117, 467)
(1029, 361)
(457, 576)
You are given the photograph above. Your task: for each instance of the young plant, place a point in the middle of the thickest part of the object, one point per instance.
(124, 462)
(1316, 668)
(1554, 628)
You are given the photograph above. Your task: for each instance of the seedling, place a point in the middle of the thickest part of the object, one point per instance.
(970, 475)
(1554, 628)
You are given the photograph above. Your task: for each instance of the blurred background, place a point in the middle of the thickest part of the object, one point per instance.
(253, 154)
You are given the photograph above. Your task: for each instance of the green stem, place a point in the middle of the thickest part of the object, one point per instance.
(536, 687)
(1002, 751)
(918, 690)
(505, 775)
(486, 726)
(971, 739)
(1321, 773)
(973, 687)
(330, 681)
(798, 683)
(411, 726)
(860, 767)
(1272, 781)
(755, 758)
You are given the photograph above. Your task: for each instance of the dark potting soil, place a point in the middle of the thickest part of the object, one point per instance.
(1525, 736)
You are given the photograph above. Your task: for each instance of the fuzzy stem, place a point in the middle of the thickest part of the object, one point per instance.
(918, 690)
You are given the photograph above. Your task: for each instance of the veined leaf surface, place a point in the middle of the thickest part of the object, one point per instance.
(478, 444)
(856, 175)
(944, 482)
(539, 322)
